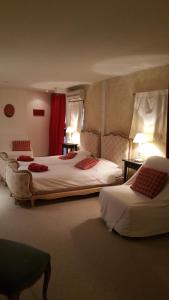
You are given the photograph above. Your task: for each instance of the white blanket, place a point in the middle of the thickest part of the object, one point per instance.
(63, 175)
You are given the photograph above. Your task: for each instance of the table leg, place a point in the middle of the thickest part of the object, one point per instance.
(125, 172)
(46, 280)
(14, 297)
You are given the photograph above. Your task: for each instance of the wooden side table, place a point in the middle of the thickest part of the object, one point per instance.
(69, 146)
(130, 164)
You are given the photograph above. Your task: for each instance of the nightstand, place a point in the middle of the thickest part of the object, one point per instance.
(130, 164)
(69, 146)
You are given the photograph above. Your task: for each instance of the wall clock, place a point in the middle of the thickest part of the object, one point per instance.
(9, 110)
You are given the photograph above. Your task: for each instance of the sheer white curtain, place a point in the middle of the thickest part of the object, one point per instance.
(150, 117)
(74, 115)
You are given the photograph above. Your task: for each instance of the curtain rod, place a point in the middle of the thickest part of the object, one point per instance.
(150, 91)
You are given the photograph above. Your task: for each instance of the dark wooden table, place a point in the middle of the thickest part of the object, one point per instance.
(69, 146)
(130, 164)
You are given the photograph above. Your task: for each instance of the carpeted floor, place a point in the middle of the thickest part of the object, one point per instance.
(88, 261)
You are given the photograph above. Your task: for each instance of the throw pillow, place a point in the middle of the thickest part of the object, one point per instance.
(21, 146)
(69, 155)
(149, 182)
(34, 167)
(87, 163)
(25, 158)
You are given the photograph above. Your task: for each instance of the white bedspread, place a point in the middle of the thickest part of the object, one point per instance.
(63, 175)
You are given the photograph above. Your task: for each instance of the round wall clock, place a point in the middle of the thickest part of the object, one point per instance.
(9, 110)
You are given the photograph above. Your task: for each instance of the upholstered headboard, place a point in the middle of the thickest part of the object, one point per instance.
(90, 141)
(114, 148)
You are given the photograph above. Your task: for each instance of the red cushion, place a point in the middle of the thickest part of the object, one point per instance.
(25, 158)
(69, 155)
(34, 167)
(149, 182)
(87, 163)
(21, 145)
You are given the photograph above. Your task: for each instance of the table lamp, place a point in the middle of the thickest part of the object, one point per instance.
(76, 137)
(140, 139)
(70, 131)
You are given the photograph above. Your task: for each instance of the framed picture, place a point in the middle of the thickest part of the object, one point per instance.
(38, 112)
(9, 110)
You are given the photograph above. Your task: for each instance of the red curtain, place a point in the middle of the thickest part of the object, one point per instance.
(57, 123)
(167, 143)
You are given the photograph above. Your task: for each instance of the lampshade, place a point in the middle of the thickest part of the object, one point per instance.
(140, 138)
(76, 137)
(70, 129)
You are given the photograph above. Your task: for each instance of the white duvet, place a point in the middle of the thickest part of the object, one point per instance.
(62, 175)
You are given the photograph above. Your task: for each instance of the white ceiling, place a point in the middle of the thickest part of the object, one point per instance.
(51, 44)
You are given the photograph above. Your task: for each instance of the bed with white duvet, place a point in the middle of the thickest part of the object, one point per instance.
(62, 178)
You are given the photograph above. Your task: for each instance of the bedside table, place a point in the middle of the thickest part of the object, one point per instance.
(130, 164)
(69, 146)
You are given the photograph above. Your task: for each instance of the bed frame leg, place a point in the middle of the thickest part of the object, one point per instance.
(16, 201)
(32, 203)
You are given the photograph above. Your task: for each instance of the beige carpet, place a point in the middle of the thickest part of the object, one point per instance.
(88, 261)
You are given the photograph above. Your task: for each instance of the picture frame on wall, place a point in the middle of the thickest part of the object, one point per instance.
(9, 110)
(38, 112)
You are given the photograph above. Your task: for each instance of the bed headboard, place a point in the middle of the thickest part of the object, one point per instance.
(115, 148)
(90, 141)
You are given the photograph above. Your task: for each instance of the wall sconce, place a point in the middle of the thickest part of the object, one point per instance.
(140, 139)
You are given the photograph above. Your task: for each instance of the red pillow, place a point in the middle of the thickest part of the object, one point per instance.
(149, 182)
(69, 155)
(21, 146)
(87, 163)
(25, 158)
(34, 167)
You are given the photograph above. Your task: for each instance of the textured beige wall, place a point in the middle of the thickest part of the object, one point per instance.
(93, 107)
(118, 105)
(119, 99)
